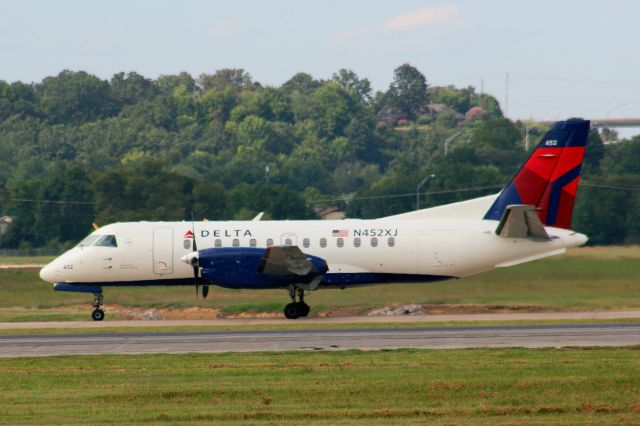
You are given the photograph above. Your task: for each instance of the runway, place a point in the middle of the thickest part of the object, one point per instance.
(313, 339)
(383, 319)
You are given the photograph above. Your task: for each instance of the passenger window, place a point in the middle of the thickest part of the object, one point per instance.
(187, 244)
(218, 243)
(288, 242)
(107, 241)
(374, 242)
(323, 242)
(340, 242)
(391, 242)
(236, 242)
(269, 242)
(356, 242)
(306, 243)
(253, 242)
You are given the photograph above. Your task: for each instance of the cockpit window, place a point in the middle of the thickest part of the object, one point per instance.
(89, 240)
(107, 241)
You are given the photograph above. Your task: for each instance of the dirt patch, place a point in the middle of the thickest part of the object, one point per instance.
(427, 309)
(21, 266)
(196, 312)
(486, 309)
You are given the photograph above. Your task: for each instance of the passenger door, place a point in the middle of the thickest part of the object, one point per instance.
(163, 251)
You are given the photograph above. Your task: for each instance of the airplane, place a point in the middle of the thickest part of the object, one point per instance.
(528, 220)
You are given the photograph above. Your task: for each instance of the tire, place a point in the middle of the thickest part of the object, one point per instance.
(291, 311)
(304, 309)
(97, 315)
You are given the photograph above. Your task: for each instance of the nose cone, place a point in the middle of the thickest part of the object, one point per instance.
(48, 273)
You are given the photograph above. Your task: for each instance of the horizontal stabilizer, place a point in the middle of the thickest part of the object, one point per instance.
(521, 221)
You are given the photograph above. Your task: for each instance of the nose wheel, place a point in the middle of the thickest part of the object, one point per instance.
(297, 308)
(98, 313)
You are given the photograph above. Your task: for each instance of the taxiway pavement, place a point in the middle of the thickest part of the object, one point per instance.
(313, 339)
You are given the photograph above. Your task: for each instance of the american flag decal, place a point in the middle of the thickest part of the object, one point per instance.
(340, 233)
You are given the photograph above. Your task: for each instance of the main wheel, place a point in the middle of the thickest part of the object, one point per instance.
(291, 311)
(303, 309)
(97, 315)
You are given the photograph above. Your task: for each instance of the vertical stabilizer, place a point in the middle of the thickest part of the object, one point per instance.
(549, 179)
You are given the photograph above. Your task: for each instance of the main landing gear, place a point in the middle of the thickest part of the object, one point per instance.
(296, 309)
(97, 314)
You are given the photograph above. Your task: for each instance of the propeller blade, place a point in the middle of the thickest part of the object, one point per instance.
(193, 260)
(194, 246)
(205, 291)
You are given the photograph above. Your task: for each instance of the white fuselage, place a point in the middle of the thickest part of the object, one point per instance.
(151, 252)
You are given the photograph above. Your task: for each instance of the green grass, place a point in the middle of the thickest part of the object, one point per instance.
(583, 279)
(21, 260)
(480, 386)
(301, 325)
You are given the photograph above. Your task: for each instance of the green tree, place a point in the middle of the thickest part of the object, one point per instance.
(279, 201)
(498, 142)
(51, 207)
(268, 103)
(17, 98)
(408, 91)
(227, 77)
(167, 84)
(302, 83)
(75, 97)
(604, 213)
(145, 190)
(131, 88)
(359, 87)
(594, 153)
(332, 109)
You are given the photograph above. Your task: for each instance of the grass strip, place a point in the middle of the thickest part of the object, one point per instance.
(305, 326)
(472, 386)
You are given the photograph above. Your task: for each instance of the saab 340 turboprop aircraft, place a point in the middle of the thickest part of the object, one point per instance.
(528, 220)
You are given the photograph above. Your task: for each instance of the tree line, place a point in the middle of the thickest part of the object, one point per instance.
(76, 149)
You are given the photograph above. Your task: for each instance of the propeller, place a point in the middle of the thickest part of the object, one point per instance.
(195, 265)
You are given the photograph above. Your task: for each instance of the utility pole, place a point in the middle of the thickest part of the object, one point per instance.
(482, 94)
(526, 139)
(506, 95)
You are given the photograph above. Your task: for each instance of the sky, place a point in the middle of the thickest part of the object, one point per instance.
(564, 58)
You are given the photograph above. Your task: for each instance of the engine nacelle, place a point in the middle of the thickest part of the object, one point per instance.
(237, 267)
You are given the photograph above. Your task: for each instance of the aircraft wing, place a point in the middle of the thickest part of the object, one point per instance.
(286, 260)
(521, 221)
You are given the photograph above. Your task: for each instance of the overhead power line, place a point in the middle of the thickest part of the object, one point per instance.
(37, 200)
(449, 191)
(412, 194)
(618, 187)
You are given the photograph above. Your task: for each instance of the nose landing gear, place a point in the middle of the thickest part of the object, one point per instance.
(97, 314)
(296, 309)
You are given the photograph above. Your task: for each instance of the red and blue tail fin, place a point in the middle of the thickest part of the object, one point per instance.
(549, 179)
